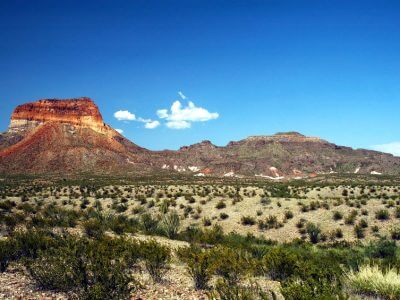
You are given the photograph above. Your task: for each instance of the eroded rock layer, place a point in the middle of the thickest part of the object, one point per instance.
(80, 112)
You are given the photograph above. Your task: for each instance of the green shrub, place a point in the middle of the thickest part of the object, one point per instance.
(337, 215)
(395, 233)
(279, 263)
(397, 212)
(7, 253)
(207, 221)
(231, 264)
(289, 214)
(359, 231)
(248, 221)
(382, 214)
(382, 249)
(149, 224)
(269, 223)
(224, 290)
(91, 269)
(199, 263)
(298, 289)
(156, 258)
(220, 205)
(28, 244)
(93, 228)
(314, 233)
(171, 224)
(223, 216)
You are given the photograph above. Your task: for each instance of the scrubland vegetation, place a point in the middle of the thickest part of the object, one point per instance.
(230, 241)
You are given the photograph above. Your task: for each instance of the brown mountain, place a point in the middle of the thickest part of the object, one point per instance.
(69, 136)
(65, 136)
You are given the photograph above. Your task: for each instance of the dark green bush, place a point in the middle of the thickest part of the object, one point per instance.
(7, 253)
(279, 263)
(149, 224)
(382, 214)
(200, 265)
(247, 220)
(156, 258)
(94, 228)
(232, 264)
(220, 205)
(171, 224)
(224, 290)
(314, 233)
(91, 269)
(337, 215)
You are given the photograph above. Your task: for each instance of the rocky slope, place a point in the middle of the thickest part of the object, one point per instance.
(69, 136)
(283, 155)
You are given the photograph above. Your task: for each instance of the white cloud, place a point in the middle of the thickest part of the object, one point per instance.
(124, 115)
(119, 131)
(178, 124)
(180, 117)
(152, 124)
(393, 148)
(162, 113)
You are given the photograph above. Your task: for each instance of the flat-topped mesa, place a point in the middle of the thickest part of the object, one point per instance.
(78, 112)
(285, 137)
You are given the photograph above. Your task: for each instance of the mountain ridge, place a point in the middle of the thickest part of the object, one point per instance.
(70, 136)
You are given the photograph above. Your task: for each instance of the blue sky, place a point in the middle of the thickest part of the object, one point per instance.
(323, 68)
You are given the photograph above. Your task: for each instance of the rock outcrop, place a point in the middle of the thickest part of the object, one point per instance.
(81, 112)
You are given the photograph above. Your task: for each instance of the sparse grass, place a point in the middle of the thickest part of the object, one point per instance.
(372, 281)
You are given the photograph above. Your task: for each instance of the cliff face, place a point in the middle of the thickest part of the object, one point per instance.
(80, 112)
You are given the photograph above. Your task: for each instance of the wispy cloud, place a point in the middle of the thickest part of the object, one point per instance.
(393, 148)
(181, 117)
(178, 124)
(182, 95)
(152, 124)
(119, 131)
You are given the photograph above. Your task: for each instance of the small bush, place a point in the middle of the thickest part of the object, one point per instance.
(156, 258)
(149, 224)
(289, 214)
(359, 231)
(200, 265)
(337, 215)
(279, 263)
(97, 269)
(225, 290)
(220, 205)
(7, 253)
(231, 264)
(223, 216)
(171, 224)
(93, 228)
(395, 233)
(314, 232)
(248, 221)
(382, 214)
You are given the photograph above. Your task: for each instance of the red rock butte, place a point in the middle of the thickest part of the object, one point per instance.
(78, 111)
